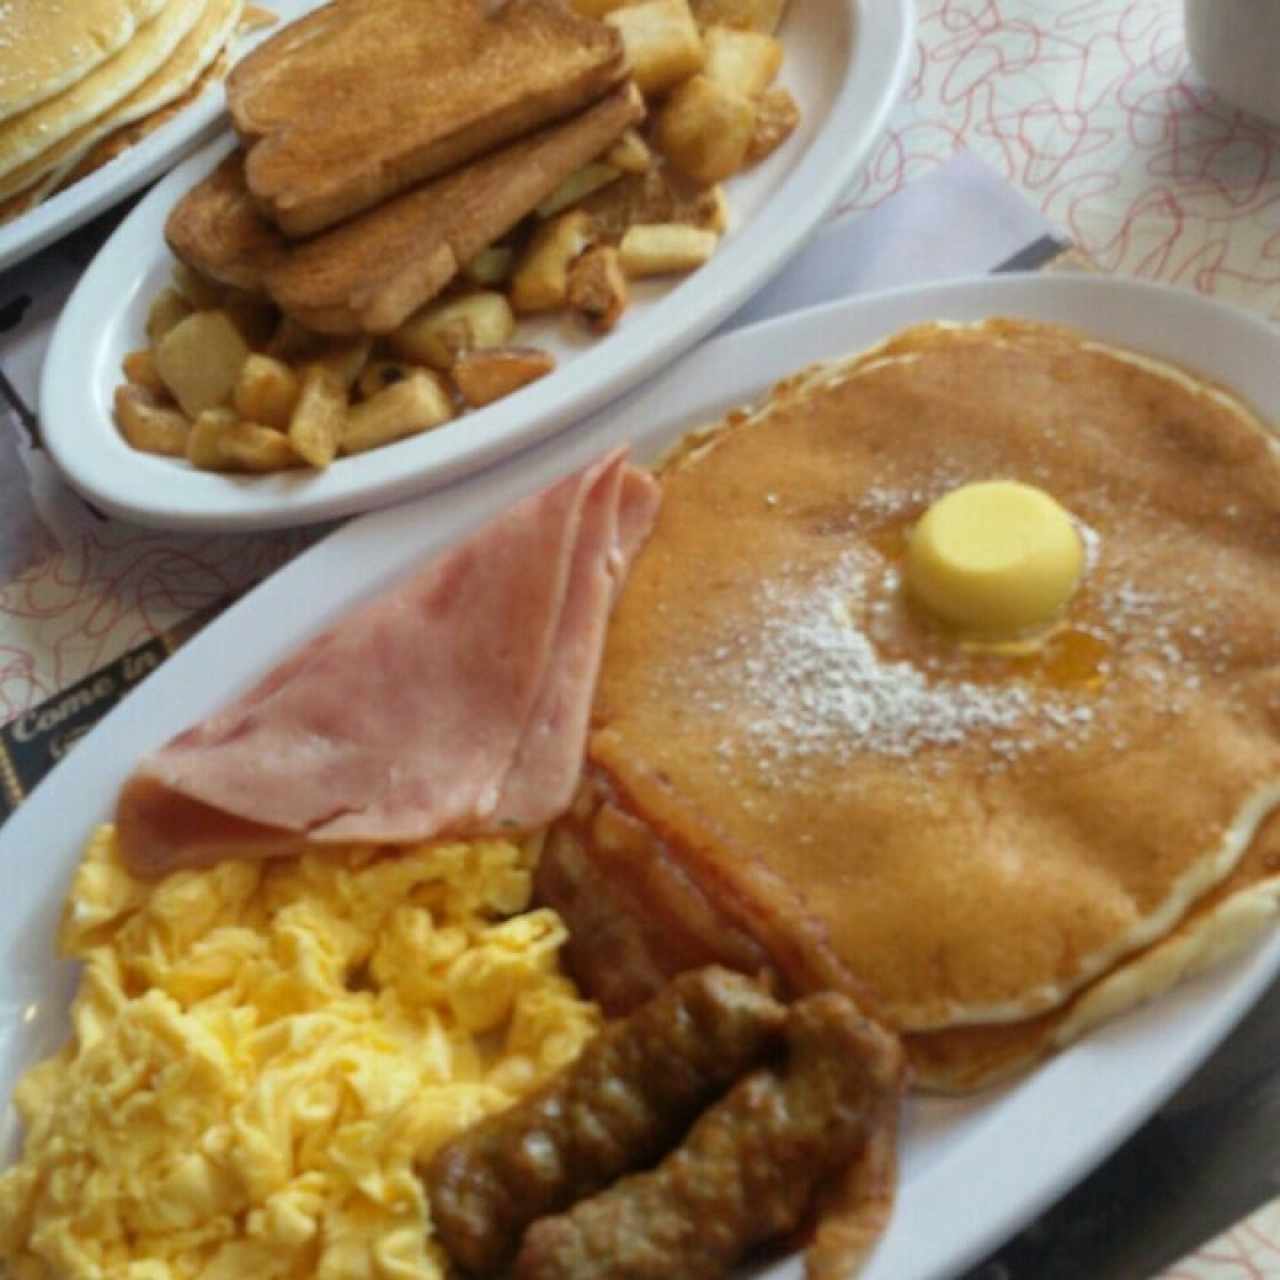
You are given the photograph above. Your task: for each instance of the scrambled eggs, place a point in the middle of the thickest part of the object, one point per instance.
(263, 1051)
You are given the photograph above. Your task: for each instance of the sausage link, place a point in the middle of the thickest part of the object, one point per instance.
(749, 1170)
(627, 1098)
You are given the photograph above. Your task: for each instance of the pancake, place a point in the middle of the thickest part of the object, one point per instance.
(46, 47)
(972, 837)
(1221, 925)
(194, 55)
(26, 135)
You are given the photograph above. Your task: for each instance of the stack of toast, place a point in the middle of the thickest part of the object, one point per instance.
(80, 82)
(414, 176)
(385, 143)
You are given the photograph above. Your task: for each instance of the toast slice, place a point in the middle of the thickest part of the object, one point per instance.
(372, 273)
(363, 99)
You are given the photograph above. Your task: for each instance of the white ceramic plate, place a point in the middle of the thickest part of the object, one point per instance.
(974, 1171)
(845, 62)
(130, 172)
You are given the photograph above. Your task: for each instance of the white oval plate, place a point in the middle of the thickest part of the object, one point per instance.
(157, 152)
(845, 62)
(973, 1171)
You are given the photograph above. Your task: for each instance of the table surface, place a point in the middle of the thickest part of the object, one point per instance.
(1091, 110)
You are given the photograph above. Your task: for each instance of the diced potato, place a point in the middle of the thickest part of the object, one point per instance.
(203, 294)
(661, 40)
(149, 425)
(255, 317)
(204, 444)
(380, 374)
(490, 266)
(293, 343)
(630, 153)
(705, 129)
(345, 359)
(664, 248)
(577, 186)
(266, 391)
(140, 368)
(249, 446)
(661, 194)
(597, 288)
(485, 376)
(415, 404)
(746, 15)
(744, 61)
(320, 415)
(200, 359)
(437, 334)
(167, 308)
(541, 279)
(776, 118)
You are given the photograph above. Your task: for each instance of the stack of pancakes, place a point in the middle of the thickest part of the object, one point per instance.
(80, 79)
(792, 769)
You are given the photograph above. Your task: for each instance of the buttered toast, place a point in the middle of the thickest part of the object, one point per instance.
(371, 273)
(337, 113)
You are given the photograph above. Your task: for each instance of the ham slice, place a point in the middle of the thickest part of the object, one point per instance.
(456, 703)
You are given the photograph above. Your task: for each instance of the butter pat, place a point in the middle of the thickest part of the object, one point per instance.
(995, 559)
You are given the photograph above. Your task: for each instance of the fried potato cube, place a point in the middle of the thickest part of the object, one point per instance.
(485, 376)
(249, 446)
(204, 443)
(140, 368)
(661, 40)
(149, 425)
(439, 333)
(630, 153)
(266, 391)
(200, 360)
(664, 249)
(414, 404)
(541, 279)
(705, 129)
(380, 374)
(203, 294)
(345, 359)
(597, 288)
(746, 15)
(776, 118)
(319, 417)
(744, 61)
(491, 266)
(293, 343)
(577, 186)
(167, 308)
(660, 194)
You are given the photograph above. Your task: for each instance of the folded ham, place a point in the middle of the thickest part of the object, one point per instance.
(456, 703)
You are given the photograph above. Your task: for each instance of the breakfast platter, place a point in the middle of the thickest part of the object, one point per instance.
(972, 1170)
(845, 63)
(141, 164)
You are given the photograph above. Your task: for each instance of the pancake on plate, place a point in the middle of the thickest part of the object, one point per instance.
(50, 46)
(792, 767)
(26, 135)
(144, 108)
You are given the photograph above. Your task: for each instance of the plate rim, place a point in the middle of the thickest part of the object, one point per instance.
(152, 492)
(365, 554)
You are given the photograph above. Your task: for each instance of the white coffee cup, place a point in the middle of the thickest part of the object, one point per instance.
(1235, 46)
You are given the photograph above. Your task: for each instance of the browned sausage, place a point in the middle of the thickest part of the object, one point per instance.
(748, 1171)
(629, 1096)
